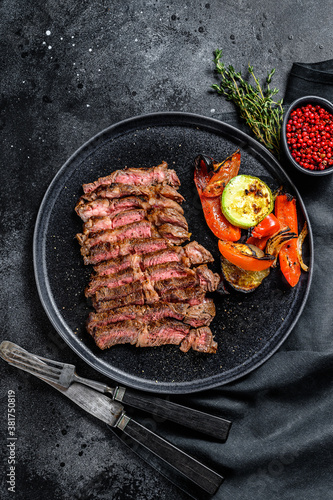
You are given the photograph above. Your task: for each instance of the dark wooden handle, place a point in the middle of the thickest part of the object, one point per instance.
(200, 421)
(197, 472)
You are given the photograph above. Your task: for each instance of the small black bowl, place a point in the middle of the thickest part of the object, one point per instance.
(303, 101)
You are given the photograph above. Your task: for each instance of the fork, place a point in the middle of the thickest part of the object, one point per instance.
(64, 374)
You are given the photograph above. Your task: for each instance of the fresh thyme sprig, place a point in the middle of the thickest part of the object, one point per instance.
(263, 115)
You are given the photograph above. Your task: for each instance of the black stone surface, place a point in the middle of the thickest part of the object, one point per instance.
(68, 70)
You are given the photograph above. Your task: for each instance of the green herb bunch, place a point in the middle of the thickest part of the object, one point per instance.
(263, 115)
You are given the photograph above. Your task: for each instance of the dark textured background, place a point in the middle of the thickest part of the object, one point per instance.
(68, 70)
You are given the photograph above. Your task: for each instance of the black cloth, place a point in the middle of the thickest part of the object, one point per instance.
(281, 443)
(310, 79)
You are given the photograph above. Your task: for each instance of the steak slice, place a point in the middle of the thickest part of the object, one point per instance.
(119, 264)
(201, 314)
(208, 280)
(123, 190)
(200, 339)
(134, 298)
(160, 216)
(175, 235)
(95, 224)
(191, 295)
(121, 278)
(102, 207)
(137, 177)
(165, 331)
(141, 229)
(197, 253)
(159, 201)
(145, 314)
(107, 250)
(124, 332)
(167, 271)
(106, 293)
(172, 254)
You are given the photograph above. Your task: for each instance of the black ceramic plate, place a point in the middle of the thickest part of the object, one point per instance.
(249, 328)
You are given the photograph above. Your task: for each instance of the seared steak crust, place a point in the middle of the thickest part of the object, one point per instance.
(147, 289)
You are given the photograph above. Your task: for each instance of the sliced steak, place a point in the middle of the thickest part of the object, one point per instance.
(160, 216)
(123, 190)
(102, 207)
(137, 177)
(197, 253)
(107, 251)
(173, 254)
(174, 235)
(141, 229)
(165, 286)
(146, 314)
(191, 295)
(115, 280)
(208, 280)
(109, 293)
(166, 331)
(167, 271)
(95, 224)
(133, 298)
(200, 339)
(125, 332)
(159, 201)
(119, 264)
(201, 314)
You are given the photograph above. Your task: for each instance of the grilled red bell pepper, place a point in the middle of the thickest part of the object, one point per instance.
(285, 211)
(267, 227)
(243, 256)
(263, 231)
(210, 185)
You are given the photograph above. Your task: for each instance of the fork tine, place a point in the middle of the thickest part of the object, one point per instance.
(32, 363)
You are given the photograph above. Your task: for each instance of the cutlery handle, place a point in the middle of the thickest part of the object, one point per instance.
(198, 473)
(194, 419)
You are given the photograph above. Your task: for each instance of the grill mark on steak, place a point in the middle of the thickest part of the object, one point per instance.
(137, 176)
(200, 339)
(123, 190)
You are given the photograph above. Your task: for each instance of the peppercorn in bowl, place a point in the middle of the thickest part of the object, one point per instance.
(307, 135)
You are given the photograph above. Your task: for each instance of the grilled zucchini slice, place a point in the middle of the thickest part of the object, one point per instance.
(246, 200)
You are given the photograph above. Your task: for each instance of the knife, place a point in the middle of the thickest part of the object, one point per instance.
(113, 413)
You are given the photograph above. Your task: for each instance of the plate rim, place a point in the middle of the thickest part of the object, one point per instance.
(59, 324)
